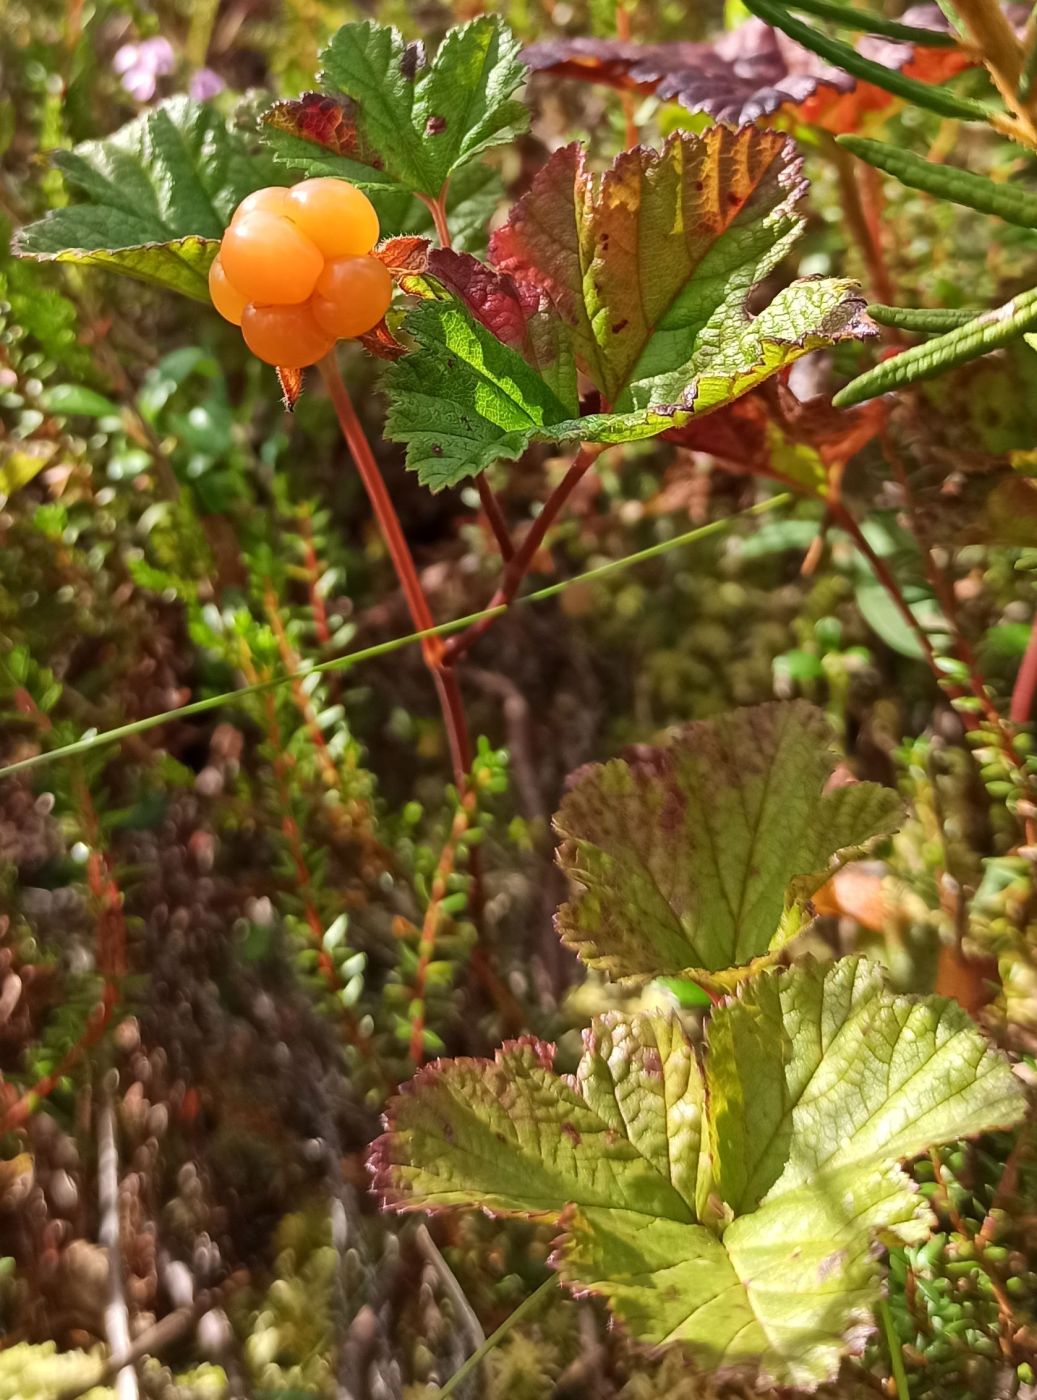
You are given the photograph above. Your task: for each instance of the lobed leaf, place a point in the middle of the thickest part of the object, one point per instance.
(746, 73)
(989, 331)
(415, 123)
(729, 1201)
(654, 261)
(1008, 202)
(755, 70)
(700, 856)
(158, 194)
(641, 280)
(465, 399)
(315, 135)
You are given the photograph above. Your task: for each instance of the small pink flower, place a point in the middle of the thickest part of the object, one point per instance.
(205, 84)
(141, 65)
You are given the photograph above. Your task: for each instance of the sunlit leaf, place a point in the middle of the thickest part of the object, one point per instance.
(729, 1201)
(642, 278)
(389, 117)
(157, 196)
(701, 855)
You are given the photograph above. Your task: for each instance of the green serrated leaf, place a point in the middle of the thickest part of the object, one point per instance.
(464, 400)
(700, 856)
(158, 194)
(987, 332)
(731, 1205)
(426, 121)
(1006, 201)
(834, 51)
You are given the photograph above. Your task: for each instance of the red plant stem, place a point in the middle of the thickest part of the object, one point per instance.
(842, 517)
(495, 516)
(381, 503)
(26, 1103)
(282, 764)
(111, 963)
(944, 591)
(437, 208)
(518, 566)
(1024, 692)
(448, 691)
(447, 688)
(312, 566)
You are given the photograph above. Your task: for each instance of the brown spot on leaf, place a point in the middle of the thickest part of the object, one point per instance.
(435, 126)
(652, 1062)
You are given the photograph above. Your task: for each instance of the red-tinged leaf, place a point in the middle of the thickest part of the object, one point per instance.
(290, 381)
(328, 122)
(518, 313)
(503, 305)
(772, 433)
(380, 342)
(750, 72)
(658, 252)
(405, 254)
(747, 73)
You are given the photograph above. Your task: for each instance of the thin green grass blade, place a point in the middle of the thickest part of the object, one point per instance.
(921, 320)
(1006, 202)
(834, 51)
(104, 738)
(867, 22)
(987, 332)
(896, 1356)
(524, 1309)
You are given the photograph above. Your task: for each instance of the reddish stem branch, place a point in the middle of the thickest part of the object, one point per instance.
(447, 688)
(944, 591)
(437, 208)
(313, 572)
(495, 517)
(1024, 692)
(26, 1103)
(519, 564)
(626, 99)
